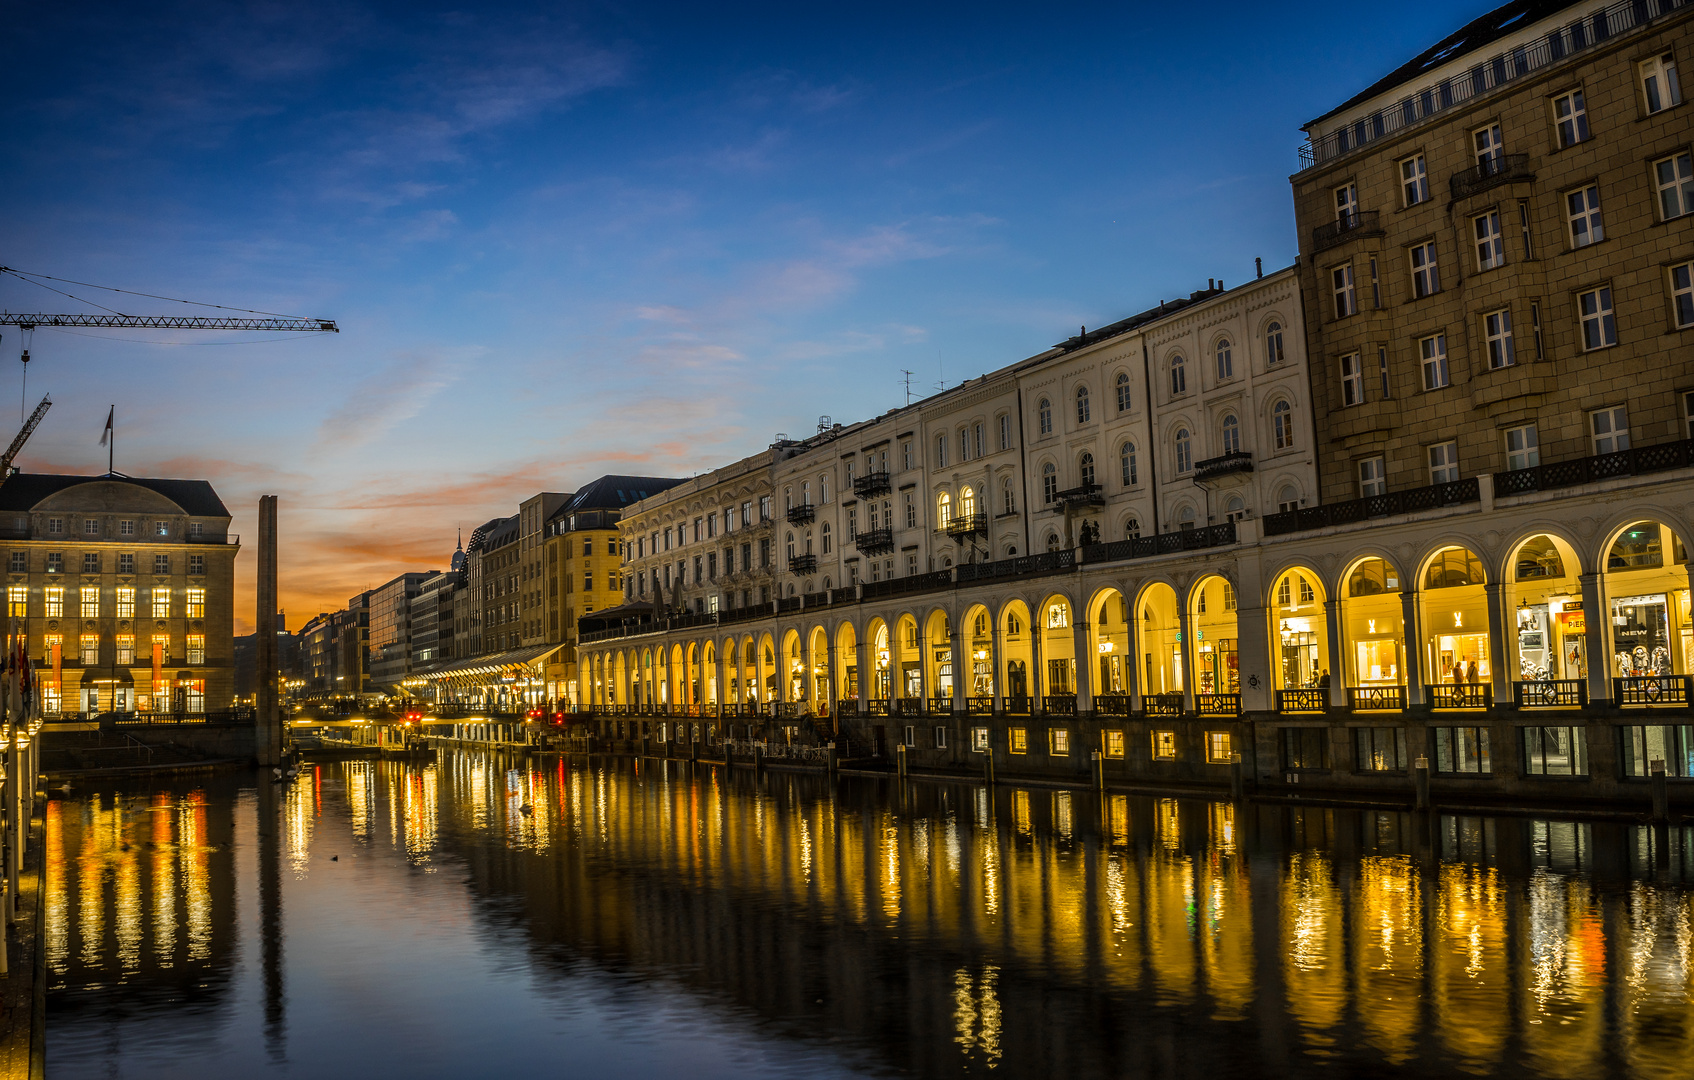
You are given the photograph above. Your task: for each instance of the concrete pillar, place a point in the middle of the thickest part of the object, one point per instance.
(1412, 630)
(1253, 649)
(862, 669)
(1185, 628)
(996, 675)
(1132, 646)
(14, 818)
(268, 738)
(1084, 648)
(1337, 654)
(961, 666)
(1596, 618)
(1499, 645)
(1037, 670)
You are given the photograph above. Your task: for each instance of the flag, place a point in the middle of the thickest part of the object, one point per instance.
(106, 433)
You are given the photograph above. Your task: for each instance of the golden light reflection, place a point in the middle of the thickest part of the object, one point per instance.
(1468, 961)
(1388, 952)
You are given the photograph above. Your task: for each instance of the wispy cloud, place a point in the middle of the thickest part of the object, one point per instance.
(378, 402)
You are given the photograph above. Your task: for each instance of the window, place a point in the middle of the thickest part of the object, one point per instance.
(1059, 740)
(1599, 326)
(1179, 375)
(1444, 463)
(1005, 431)
(1226, 359)
(1111, 743)
(1044, 416)
(1659, 85)
(1184, 451)
(1582, 210)
(825, 537)
(976, 436)
(1085, 468)
(1523, 447)
(1433, 350)
(1426, 275)
(1082, 404)
(1007, 503)
(126, 601)
(1490, 245)
(126, 648)
(54, 602)
(89, 651)
(1490, 149)
(1341, 280)
(1217, 748)
(1132, 529)
(196, 648)
(1379, 749)
(1497, 331)
(1414, 180)
(91, 562)
(55, 526)
(1049, 483)
(1347, 205)
(1373, 479)
(1461, 749)
(161, 528)
(19, 562)
(1017, 740)
(1555, 751)
(1611, 430)
(943, 510)
(1671, 744)
(17, 601)
(1231, 435)
(90, 602)
(964, 444)
(1352, 380)
(1282, 425)
(1273, 343)
(1688, 414)
(1164, 746)
(126, 562)
(1674, 177)
(1572, 116)
(1123, 391)
(195, 528)
(197, 564)
(126, 528)
(941, 738)
(162, 602)
(1287, 499)
(161, 564)
(911, 512)
(941, 451)
(197, 602)
(91, 527)
(1126, 459)
(1682, 294)
(1305, 748)
(979, 740)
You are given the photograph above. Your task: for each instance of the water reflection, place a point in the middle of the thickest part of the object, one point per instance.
(937, 930)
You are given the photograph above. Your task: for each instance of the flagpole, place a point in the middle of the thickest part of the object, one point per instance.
(112, 445)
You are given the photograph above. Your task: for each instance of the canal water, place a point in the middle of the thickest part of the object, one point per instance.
(488, 915)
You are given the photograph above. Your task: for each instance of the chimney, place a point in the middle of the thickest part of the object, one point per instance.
(1258, 267)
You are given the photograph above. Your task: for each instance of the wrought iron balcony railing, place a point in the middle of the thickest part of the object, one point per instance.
(1081, 495)
(1500, 169)
(1314, 700)
(1377, 698)
(1459, 695)
(1550, 694)
(1224, 464)
(1388, 504)
(803, 564)
(802, 514)
(1636, 461)
(871, 485)
(960, 525)
(1651, 691)
(874, 541)
(1347, 227)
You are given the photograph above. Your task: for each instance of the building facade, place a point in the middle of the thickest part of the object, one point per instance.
(705, 544)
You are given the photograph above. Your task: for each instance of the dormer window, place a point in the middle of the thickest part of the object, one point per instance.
(196, 528)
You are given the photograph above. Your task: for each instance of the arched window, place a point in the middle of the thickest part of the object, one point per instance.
(790, 545)
(1052, 541)
(826, 585)
(1179, 375)
(943, 509)
(1288, 498)
(1044, 416)
(1049, 483)
(1126, 458)
(826, 541)
(1185, 518)
(1085, 466)
(1123, 391)
(787, 501)
(1131, 529)
(1273, 343)
(1082, 404)
(967, 502)
(1231, 435)
(1226, 359)
(1235, 509)
(1184, 451)
(1282, 425)
(1008, 505)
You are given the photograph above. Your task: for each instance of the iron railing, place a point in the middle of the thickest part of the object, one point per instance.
(1024, 565)
(1377, 698)
(874, 541)
(1217, 704)
(1651, 691)
(1161, 704)
(1346, 227)
(1113, 704)
(1459, 695)
(1550, 694)
(802, 514)
(966, 524)
(1388, 504)
(1636, 461)
(871, 485)
(1170, 543)
(803, 564)
(1059, 704)
(1499, 169)
(979, 706)
(1223, 465)
(1302, 701)
(1017, 705)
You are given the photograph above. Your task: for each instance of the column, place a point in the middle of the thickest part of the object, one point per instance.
(998, 676)
(861, 650)
(1253, 646)
(1596, 618)
(723, 682)
(1337, 654)
(1132, 645)
(1185, 628)
(961, 665)
(1412, 631)
(1499, 650)
(1084, 649)
(1037, 672)
(831, 674)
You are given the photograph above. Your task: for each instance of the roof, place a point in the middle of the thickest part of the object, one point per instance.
(485, 665)
(1476, 34)
(25, 491)
(617, 492)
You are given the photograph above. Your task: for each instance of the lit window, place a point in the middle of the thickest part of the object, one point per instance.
(1599, 326)
(1217, 748)
(1571, 113)
(1497, 330)
(1674, 177)
(126, 648)
(1682, 293)
(1461, 749)
(1582, 210)
(54, 602)
(1659, 83)
(979, 740)
(1433, 350)
(943, 510)
(17, 601)
(1352, 380)
(1061, 742)
(90, 601)
(1490, 245)
(1414, 180)
(161, 528)
(1341, 281)
(196, 648)
(1426, 275)
(162, 602)
(1111, 743)
(1444, 463)
(1184, 451)
(196, 603)
(1017, 740)
(1523, 447)
(1179, 375)
(1164, 745)
(1373, 479)
(89, 652)
(1123, 392)
(125, 601)
(1610, 428)
(1282, 425)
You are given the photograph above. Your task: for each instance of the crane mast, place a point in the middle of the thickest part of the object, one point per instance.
(23, 436)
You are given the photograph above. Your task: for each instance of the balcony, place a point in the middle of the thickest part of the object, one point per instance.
(1377, 698)
(1161, 704)
(1143, 547)
(1293, 702)
(1636, 461)
(870, 485)
(875, 542)
(1236, 461)
(1082, 495)
(1388, 504)
(1347, 227)
(962, 525)
(1059, 704)
(802, 564)
(1016, 705)
(1550, 694)
(1459, 695)
(1217, 704)
(1504, 169)
(1112, 704)
(1651, 692)
(802, 514)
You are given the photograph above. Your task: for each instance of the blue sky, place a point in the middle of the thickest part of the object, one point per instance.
(576, 239)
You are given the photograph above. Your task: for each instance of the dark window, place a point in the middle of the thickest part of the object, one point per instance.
(1379, 749)
(1305, 748)
(1555, 751)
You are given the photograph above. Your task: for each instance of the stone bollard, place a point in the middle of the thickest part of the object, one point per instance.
(758, 757)
(900, 760)
(1236, 784)
(1099, 764)
(1660, 789)
(1420, 777)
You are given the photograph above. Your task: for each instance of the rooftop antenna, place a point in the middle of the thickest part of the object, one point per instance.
(908, 375)
(940, 372)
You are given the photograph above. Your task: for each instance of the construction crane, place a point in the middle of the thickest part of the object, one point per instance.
(268, 320)
(23, 436)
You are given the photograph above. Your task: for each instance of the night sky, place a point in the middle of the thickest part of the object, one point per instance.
(575, 239)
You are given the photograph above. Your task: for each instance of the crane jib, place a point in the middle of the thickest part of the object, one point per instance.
(167, 322)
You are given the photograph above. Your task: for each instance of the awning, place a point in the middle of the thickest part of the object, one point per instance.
(478, 667)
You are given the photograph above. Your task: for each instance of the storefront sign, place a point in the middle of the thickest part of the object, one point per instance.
(1573, 622)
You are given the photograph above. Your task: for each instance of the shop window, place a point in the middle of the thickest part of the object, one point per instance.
(1555, 751)
(1671, 744)
(1305, 748)
(1059, 741)
(1218, 747)
(979, 740)
(1379, 749)
(1460, 750)
(1164, 746)
(1111, 743)
(1017, 740)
